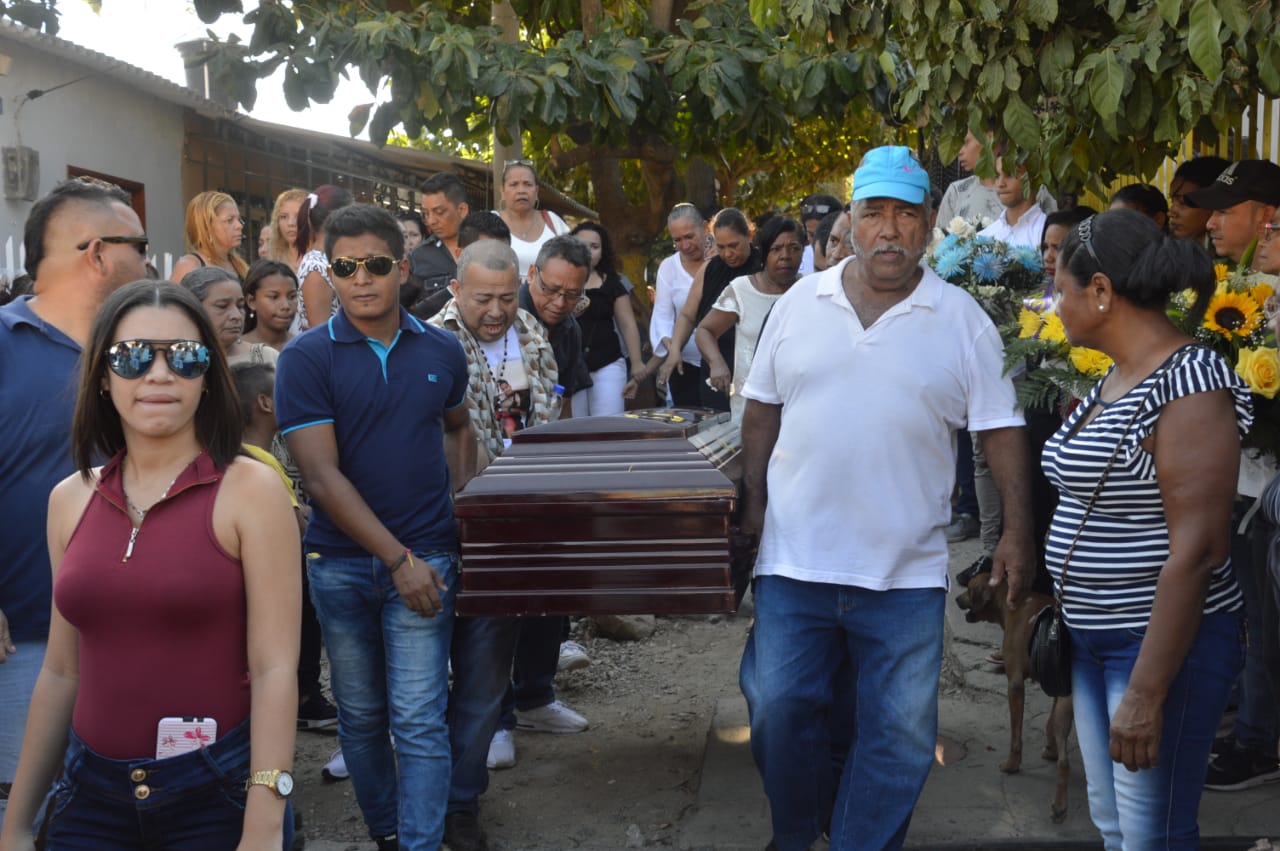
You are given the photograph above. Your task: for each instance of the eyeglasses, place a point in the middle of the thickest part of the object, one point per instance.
(1085, 230)
(138, 242)
(815, 209)
(132, 359)
(560, 295)
(1269, 229)
(346, 267)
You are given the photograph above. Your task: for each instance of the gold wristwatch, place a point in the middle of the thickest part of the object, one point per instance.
(278, 781)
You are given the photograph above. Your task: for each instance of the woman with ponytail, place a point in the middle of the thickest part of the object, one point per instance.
(319, 300)
(1139, 544)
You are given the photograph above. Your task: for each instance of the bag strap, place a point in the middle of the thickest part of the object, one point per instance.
(1173, 360)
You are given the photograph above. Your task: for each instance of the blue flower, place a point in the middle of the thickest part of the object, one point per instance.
(1028, 257)
(947, 264)
(948, 242)
(987, 268)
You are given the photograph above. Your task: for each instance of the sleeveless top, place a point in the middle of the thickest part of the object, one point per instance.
(162, 629)
(715, 278)
(600, 343)
(313, 261)
(751, 306)
(1111, 580)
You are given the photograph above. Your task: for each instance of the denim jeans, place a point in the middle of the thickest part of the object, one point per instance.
(891, 641)
(389, 670)
(17, 681)
(1152, 808)
(190, 802)
(482, 652)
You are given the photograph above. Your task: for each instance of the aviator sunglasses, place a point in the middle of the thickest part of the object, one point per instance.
(345, 267)
(132, 359)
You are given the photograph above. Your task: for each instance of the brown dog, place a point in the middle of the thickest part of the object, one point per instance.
(983, 601)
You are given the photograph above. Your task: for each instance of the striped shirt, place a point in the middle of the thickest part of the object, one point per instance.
(1111, 580)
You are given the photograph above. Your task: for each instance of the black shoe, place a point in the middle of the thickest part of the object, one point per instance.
(1222, 744)
(316, 713)
(387, 843)
(462, 832)
(1239, 768)
(982, 565)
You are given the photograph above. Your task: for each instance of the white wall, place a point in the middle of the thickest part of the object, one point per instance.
(100, 123)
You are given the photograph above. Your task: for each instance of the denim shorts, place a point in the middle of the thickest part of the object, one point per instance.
(193, 802)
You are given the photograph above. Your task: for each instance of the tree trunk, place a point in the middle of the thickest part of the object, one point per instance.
(504, 17)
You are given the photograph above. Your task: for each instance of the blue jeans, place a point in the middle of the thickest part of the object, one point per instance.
(389, 670)
(17, 681)
(1152, 808)
(482, 652)
(891, 641)
(191, 802)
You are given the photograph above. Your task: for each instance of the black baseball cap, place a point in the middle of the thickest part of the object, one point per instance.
(1247, 180)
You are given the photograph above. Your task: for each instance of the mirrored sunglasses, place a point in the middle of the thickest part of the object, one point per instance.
(132, 359)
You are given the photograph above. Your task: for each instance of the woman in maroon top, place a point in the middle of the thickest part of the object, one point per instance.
(176, 596)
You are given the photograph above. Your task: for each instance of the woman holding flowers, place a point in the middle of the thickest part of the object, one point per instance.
(1139, 545)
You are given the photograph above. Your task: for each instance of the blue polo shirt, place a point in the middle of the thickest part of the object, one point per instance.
(39, 369)
(386, 405)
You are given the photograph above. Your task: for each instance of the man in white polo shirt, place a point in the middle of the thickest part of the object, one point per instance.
(863, 375)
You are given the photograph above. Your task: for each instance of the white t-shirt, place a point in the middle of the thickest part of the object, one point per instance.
(670, 290)
(527, 252)
(1026, 232)
(861, 475)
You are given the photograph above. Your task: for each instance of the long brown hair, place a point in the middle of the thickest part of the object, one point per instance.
(96, 428)
(202, 210)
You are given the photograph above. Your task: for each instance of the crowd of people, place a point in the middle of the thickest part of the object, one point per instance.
(373, 363)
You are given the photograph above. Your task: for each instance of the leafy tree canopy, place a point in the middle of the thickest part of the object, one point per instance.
(1084, 91)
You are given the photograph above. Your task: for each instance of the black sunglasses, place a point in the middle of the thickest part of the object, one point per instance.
(138, 242)
(132, 359)
(346, 267)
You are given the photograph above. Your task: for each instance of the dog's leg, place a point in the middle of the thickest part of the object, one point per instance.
(1017, 698)
(1061, 717)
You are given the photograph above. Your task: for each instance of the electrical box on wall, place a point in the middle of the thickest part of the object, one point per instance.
(21, 173)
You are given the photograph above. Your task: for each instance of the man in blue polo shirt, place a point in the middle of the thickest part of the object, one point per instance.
(82, 241)
(372, 405)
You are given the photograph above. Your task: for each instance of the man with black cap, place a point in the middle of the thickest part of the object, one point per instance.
(850, 582)
(813, 209)
(1243, 199)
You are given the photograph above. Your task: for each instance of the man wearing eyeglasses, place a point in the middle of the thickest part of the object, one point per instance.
(557, 284)
(82, 242)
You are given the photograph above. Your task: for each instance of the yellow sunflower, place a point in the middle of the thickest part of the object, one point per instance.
(1261, 292)
(1053, 330)
(1029, 323)
(1090, 361)
(1232, 315)
(1221, 272)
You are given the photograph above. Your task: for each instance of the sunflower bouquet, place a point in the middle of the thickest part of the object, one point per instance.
(998, 275)
(1238, 325)
(1056, 372)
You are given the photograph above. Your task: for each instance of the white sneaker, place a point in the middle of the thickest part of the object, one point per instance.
(335, 769)
(502, 750)
(555, 717)
(573, 657)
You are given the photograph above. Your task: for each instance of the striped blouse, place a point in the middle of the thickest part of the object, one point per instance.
(1111, 580)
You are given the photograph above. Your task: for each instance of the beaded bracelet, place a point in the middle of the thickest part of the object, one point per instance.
(395, 565)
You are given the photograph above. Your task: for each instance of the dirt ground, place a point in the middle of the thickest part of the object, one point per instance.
(622, 783)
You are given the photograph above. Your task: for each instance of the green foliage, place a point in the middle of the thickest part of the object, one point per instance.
(1085, 91)
(37, 14)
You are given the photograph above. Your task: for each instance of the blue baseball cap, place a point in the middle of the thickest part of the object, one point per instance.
(890, 171)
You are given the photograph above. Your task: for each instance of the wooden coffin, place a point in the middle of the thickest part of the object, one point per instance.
(602, 515)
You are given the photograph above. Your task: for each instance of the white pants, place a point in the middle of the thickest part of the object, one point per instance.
(604, 396)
